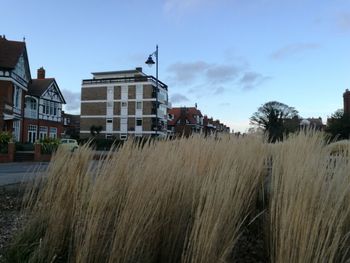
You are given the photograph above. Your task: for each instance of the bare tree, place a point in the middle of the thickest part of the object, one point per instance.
(272, 117)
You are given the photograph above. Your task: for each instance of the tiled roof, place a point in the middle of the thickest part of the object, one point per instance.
(39, 86)
(189, 114)
(10, 51)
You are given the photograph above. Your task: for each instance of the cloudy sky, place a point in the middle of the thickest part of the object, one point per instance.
(228, 56)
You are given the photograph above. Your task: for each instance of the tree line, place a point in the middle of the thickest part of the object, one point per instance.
(277, 119)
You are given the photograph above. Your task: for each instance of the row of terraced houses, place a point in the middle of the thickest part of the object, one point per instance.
(121, 104)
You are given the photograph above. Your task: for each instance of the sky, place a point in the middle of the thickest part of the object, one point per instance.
(228, 56)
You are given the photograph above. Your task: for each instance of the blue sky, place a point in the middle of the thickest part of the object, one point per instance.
(228, 56)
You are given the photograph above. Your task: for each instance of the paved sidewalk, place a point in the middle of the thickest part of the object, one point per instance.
(11, 173)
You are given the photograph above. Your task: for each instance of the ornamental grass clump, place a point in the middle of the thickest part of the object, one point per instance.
(188, 200)
(309, 208)
(168, 201)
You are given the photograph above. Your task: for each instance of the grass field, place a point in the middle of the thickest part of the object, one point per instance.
(190, 200)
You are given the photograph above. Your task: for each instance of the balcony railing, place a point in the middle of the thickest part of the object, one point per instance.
(125, 79)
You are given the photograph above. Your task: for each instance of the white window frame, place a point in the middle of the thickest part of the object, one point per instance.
(32, 132)
(16, 130)
(43, 132)
(53, 132)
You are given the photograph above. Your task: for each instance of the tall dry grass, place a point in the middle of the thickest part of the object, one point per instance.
(309, 209)
(170, 201)
(187, 200)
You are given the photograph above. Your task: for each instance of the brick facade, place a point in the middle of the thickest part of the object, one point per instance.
(41, 123)
(99, 93)
(132, 92)
(18, 87)
(124, 113)
(97, 108)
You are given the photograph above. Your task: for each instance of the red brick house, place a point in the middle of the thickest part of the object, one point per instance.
(208, 125)
(43, 109)
(29, 108)
(14, 81)
(185, 121)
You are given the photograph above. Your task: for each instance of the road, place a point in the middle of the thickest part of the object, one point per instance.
(11, 173)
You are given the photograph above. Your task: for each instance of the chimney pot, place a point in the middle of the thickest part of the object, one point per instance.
(41, 73)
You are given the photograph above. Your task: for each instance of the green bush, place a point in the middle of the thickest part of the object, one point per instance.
(5, 138)
(49, 145)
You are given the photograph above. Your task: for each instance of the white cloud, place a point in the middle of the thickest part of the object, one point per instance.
(72, 100)
(187, 72)
(220, 73)
(293, 49)
(250, 80)
(219, 90)
(178, 98)
(202, 77)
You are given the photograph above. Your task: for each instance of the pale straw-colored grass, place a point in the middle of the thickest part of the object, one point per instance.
(170, 201)
(186, 201)
(309, 209)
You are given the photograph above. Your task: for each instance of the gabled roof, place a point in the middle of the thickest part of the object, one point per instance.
(38, 87)
(10, 51)
(189, 114)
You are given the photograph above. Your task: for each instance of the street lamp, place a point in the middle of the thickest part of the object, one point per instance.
(150, 62)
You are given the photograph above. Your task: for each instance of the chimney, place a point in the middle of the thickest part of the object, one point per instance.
(183, 113)
(346, 97)
(139, 69)
(41, 73)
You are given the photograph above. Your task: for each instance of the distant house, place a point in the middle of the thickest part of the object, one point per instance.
(71, 125)
(185, 121)
(208, 125)
(314, 123)
(43, 109)
(14, 81)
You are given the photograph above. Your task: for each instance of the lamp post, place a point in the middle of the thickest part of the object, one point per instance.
(150, 62)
